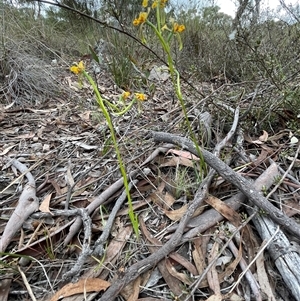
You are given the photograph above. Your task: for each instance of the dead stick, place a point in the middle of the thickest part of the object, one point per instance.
(142, 266)
(234, 178)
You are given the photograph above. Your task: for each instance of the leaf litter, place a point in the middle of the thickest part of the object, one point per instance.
(60, 181)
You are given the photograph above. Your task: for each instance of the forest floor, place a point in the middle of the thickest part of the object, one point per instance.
(203, 232)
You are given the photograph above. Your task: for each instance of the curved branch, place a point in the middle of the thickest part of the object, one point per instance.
(234, 178)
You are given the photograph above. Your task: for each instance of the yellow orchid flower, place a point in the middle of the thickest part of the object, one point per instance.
(78, 68)
(140, 96)
(163, 3)
(125, 95)
(141, 19)
(178, 27)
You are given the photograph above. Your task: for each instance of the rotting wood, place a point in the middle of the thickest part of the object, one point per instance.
(285, 258)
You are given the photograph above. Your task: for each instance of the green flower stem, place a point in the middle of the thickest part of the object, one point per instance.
(127, 108)
(100, 101)
(176, 84)
(111, 105)
(158, 18)
(117, 111)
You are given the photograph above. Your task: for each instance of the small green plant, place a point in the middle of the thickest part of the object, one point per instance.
(244, 216)
(277, 179)
(184, 181)
(29, 258)
(49, 246)
(117, 109)
(264, 190)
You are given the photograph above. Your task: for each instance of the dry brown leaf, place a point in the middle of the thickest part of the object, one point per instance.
(135, 207)
(184, 262)
(43, 111)
(264, 136)
(135, 290)
(198, 257)
(183, 154)
(175, 161)
(263, 279)
(262, 157)
(161, 186)
(85, 146)
(5, 286)
(291, 207)
(86, 115)
(83, 285)
(158, 198)
(7, 149)
(169, 199)
(176, 215)
(56, 187)
(26, 136)
(69, 176)
(44, 207)
(180, 276)
(232, 266)
(173, 283)
(233, 297)
(223, 275)
(257, 141)
(212, 275)
(81, 187)
(225, 210)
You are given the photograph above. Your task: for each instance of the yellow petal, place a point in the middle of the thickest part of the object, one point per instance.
(125, 94)
(181, 28)
(74, 69)
(178, 27)
(136, 22)
(81, 66)
(140, 96)
(143, 17)
(154, 4)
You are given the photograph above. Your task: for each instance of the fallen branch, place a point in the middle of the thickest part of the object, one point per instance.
(234, 178)
(286, 259)
(211, 217)
(105, 195)
(144, 265)
(102, 240)
(27, 204)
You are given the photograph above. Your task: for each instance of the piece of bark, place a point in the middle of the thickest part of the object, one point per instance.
(27, 204)
(286, 259)
(209, 218)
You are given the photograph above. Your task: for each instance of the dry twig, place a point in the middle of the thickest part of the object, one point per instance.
(142, 266)
(234, 178)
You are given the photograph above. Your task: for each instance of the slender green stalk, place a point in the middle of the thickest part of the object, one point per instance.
(100, 101)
